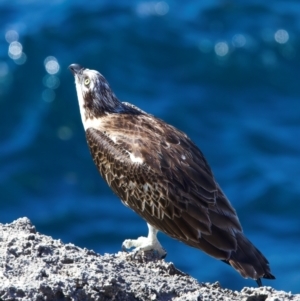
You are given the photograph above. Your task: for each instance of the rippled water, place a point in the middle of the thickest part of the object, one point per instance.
(225, 72)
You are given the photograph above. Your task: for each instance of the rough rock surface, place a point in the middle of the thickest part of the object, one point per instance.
(36, 267)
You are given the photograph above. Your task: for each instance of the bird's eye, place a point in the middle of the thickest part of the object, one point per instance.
(87, 81)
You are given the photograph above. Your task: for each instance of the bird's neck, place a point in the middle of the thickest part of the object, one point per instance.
(91, 122)
(93, 117)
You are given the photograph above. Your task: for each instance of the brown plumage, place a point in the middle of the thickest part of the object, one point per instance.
(157, 171)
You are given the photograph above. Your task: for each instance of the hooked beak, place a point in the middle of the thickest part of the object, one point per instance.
(75, 69)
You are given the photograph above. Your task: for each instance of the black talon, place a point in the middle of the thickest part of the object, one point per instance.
(258, 281)
(164, 256)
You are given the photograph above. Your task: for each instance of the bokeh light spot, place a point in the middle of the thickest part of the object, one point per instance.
(51, 65)
(161, 8)
(221, 49)
(11, 36)
(64, 133)
(51, 81)
(48, 95)
(238, 40)
(15, 50)
(281, 36)
(21, 60)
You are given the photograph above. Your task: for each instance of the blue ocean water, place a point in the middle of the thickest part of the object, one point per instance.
(225, 72)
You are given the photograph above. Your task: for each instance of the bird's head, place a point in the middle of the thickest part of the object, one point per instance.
(94, 94)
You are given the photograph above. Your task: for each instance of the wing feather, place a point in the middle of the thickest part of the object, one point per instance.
(173, 189)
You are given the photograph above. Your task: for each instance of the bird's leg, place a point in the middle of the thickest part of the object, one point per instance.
(146, 243)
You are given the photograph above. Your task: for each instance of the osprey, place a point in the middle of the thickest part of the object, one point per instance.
(158, 172)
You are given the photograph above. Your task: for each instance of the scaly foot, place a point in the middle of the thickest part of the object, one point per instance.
(145, 243)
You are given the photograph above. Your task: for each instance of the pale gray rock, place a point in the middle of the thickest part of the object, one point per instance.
(34, 266)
